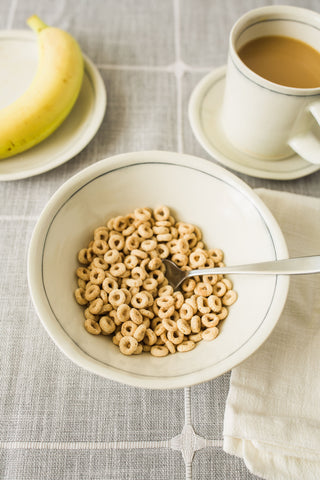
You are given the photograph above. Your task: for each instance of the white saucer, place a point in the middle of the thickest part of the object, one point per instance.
(204, 113)
(18, 62)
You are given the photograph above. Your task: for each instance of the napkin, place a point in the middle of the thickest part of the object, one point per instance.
(272, 415)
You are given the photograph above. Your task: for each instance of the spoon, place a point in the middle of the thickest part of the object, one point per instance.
(288, 266)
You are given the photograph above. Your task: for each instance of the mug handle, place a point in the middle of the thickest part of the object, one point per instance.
(307, 144)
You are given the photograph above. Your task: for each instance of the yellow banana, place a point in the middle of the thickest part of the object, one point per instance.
(50, 97)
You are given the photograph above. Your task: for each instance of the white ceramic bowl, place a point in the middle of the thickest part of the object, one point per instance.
(231, 217)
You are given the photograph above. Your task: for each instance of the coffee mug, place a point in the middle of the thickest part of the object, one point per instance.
(260, 117)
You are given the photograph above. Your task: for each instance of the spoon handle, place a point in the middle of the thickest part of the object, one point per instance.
(289, 266)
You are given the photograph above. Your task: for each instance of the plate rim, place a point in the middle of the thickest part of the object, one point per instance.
(194, 108)
(97, 112)
(78, 357)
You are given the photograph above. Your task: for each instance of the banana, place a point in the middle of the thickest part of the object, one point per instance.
(51, 95)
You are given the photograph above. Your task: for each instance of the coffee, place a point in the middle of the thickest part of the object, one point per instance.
(283, 60)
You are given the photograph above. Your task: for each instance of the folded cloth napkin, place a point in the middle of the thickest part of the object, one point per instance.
(272, 416)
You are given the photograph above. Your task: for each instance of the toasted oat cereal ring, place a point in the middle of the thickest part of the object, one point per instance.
(83, 257)
(118, 269)
(163, 250)
(145, 231)
(186, 311)
(210, 320)
(180, 259)
(89, 315)
(90, 253)
(165, 312)
(216, 254)
(131, 261)
(183, 246)
(140, 300)
(192, 300)
(132, 243)
(155, 321)
(112, 256)
(138, 273)
(81, 283)
(229, 298)
(128, 328)
(223, 314)
(154, 263)
(92, 292)
(116, 338)
(163, 223)
(173, 246)
(159, 351)
(116, 241)
(184, 326)
(83, 273)
(165, 301)
(214, 303)
(128, 231)
(169, 324)
(139, 333)
(203, 305)
(97, 275)
(186, 346)
(185, 228)
(139, 253)
(146, 322)
(178, 300)
(164, 237)
(145, 312)
(170, 346)
(115, 318)
(209, 263)
(133, 282)
(150, 337)
(80, 295)
(96, 306)
(117, 297)
(107, 325)
(195, 324)
(161, 230)
(148, 245)
(210, 333)
(165, 290)
(101, 233)
(146, 348)
(106, 308)
(109, 284)
(228, 283)
(219, 289)
(175, 336)
(120, 223)
(203, 288)
(188, 285)
(157, 275)
(136, 316)
(128, 345)
(123, 312)
(133, 290)
(127, 294)
(138, 350)
(159, 329)
(142, 214)
(196, 337)
(99, 262)
(100, 247)
(212, 279)
(161, 213)
(92, 326)
(150, 284)
(197, 259)
(191, 239)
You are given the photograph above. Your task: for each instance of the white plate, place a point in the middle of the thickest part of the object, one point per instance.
(18, 63)
(204, 115)
(230, 215)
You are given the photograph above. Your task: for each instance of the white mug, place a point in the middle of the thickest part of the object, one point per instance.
(262, 118)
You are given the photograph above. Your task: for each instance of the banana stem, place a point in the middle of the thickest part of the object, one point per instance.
(36, 23)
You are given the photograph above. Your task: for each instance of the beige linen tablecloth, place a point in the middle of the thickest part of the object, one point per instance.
(56, 420)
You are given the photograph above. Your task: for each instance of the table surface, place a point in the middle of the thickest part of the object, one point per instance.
(57, 420)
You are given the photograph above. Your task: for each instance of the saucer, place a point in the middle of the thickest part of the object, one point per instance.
(204, 116)
(18, 63)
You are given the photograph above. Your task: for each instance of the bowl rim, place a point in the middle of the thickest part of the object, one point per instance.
(65, 343)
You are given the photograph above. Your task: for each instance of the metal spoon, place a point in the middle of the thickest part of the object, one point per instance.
(289, 266)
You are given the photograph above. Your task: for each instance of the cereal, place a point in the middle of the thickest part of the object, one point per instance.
(122, 287)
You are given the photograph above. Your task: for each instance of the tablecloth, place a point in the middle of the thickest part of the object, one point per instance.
(56, 420)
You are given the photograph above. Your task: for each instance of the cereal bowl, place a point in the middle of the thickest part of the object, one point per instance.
(231, 217)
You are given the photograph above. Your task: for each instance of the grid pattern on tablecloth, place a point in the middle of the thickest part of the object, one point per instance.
(58, 421)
